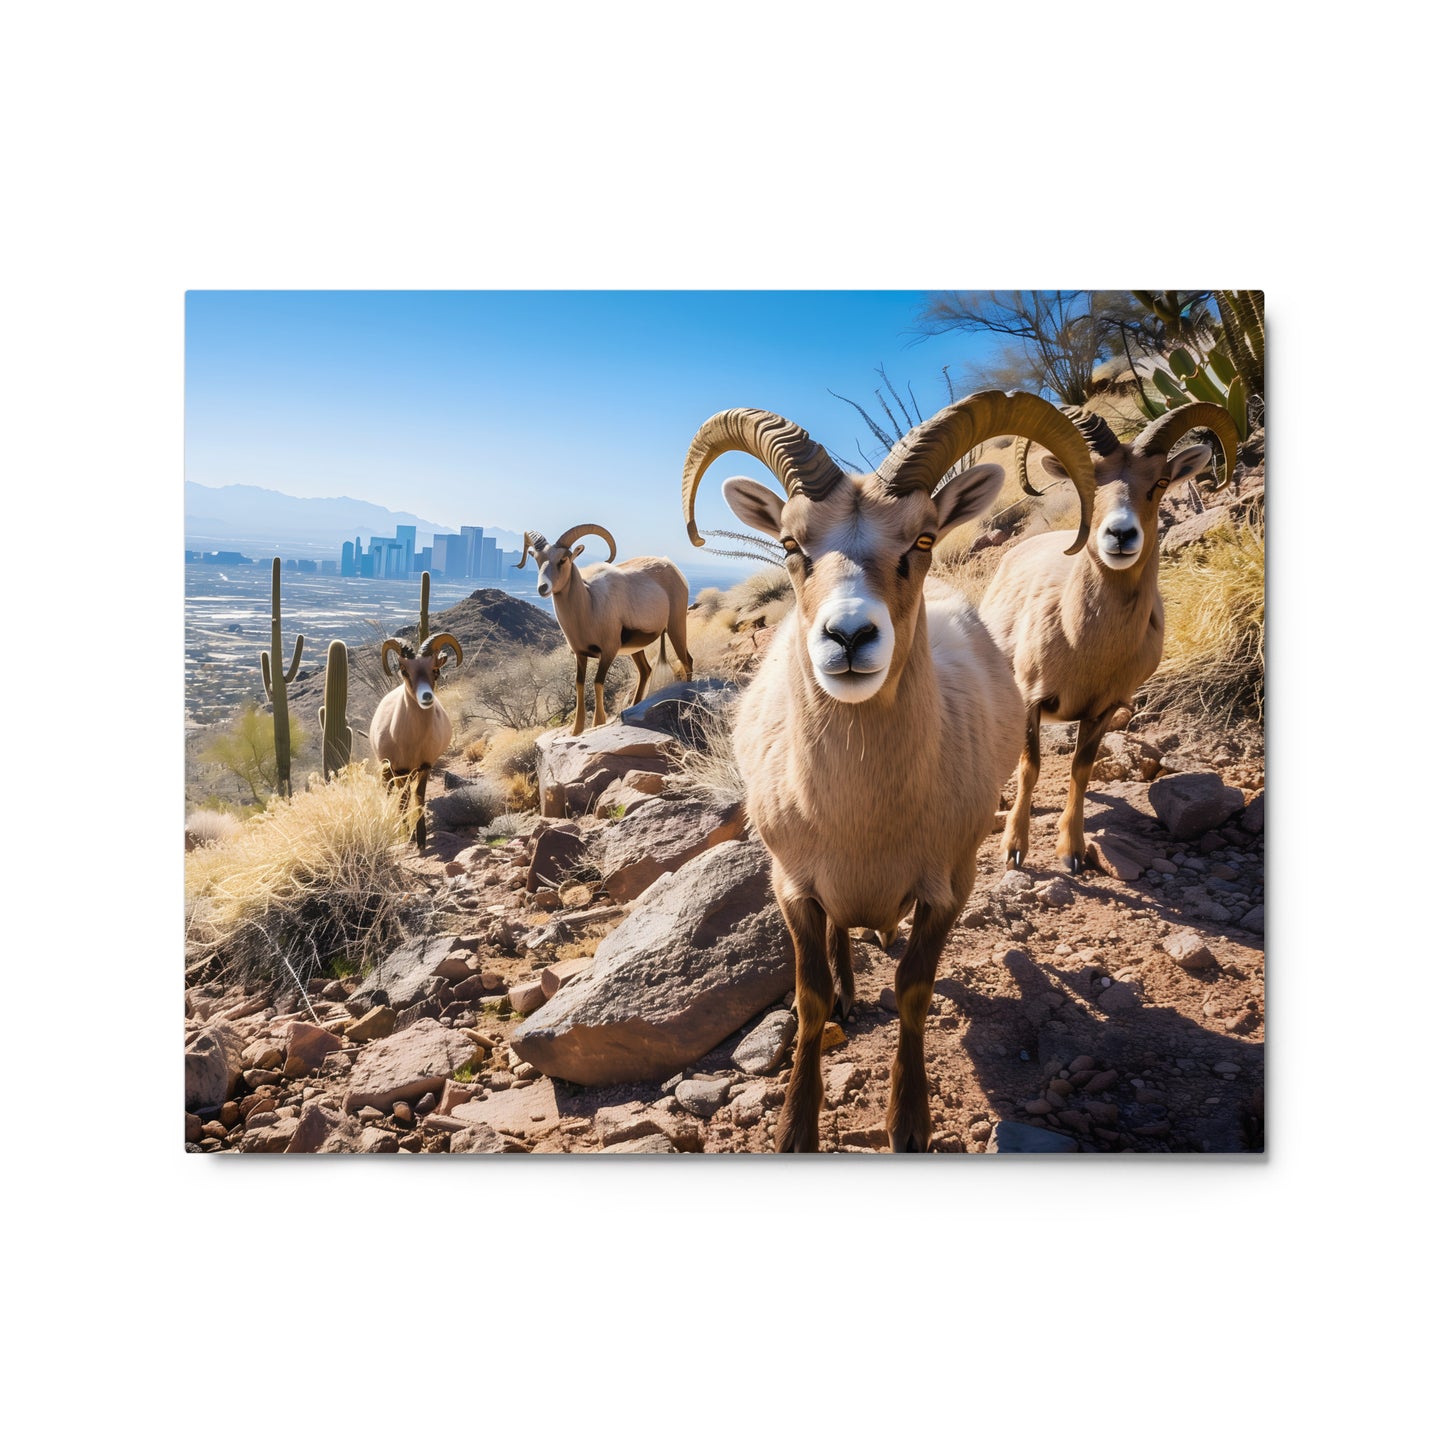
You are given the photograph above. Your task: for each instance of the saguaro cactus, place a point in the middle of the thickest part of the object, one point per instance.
(276, 680)
(425, 598)
(335, 733)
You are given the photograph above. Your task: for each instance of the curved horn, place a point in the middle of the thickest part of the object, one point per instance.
(782, 446)
(1097, 433)
(920, 460)
(528, 538)
(439, 642)
(1160, 435)
(573, 533)
(392, 644)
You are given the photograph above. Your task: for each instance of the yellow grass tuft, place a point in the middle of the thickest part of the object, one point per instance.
(316, 876)
(1213, 664)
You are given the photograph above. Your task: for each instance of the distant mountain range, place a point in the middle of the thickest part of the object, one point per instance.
(239, 518)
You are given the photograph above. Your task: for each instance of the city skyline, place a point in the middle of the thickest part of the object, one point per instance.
(535, 409)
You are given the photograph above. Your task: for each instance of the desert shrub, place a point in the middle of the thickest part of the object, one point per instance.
(246, 751)
(513, 825)
(532, 689)
(757, 591)
(315, 876)
(1213, 665)
(512, 752)
(206, 826)
(708, 601)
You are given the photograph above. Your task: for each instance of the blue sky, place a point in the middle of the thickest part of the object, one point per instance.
(533, 409)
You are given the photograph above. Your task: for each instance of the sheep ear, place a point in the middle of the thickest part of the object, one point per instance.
(966, 496)
(1054, 467)
(1188, 463)
(578, 550)
(754, 504)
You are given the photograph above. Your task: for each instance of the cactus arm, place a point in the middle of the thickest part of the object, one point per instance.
(425, 618)
(295, 659)
(266, 673)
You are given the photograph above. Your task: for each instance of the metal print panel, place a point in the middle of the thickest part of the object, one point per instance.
(724, 722)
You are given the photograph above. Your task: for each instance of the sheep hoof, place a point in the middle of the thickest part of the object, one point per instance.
(843, 1008)
(1076, 862)
(1015, 857)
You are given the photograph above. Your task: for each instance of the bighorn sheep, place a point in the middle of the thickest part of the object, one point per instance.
(883, 719)
(1084, 629)
(604, 610)
(410, 729)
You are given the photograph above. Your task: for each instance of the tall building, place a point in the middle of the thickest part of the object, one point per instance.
(472, 538)
(348, 560)
(491, 558)
(406, 536)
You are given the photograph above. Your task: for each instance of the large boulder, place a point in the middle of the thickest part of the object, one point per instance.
(684, 709)
(659, 838)
(417, 1061)
(573, 772)
(213, 1066)
(701, 955)
(1190, 804)
(556, 851)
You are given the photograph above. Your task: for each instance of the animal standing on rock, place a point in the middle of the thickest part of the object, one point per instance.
(410, 729)
(1083, 625)
(604, 610)
(883, 719)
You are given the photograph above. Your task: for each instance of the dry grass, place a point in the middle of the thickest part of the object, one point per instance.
(206, 827)
(1213, 666)
(711, 769)
(314, 877)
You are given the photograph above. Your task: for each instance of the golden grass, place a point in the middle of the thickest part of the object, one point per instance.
(1213, 666)
(316, 876)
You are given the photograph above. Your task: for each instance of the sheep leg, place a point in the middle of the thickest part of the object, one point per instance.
(1016, 831)
(798, 1123)
(909, 1126)
(677, 635)
(644, 671)
(579, 718)
(599, 705)
(1071, 824)
(422, 774)
(840, 961)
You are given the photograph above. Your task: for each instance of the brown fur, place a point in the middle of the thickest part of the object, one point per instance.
(406, 738)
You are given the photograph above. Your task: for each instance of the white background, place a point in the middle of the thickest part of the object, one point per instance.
(151, 148)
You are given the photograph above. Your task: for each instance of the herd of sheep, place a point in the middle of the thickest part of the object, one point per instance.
(887, 713)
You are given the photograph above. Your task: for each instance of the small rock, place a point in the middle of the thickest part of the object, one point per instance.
(762, 1050)
(1191, 803)
(1253, 920)
(401, 1112)
(376, 1023)
(840, 1080)
(703, 1097)
(1101, 1081)
(1189, 951)
(527, 997)
(833, 1035)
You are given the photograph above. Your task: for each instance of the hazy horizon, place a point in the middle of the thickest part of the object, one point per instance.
(518, 410)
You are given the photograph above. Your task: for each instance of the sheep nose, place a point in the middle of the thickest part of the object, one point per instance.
(851, 641)
(1124, 537)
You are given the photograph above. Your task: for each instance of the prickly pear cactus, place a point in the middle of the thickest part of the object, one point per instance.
(335, 734)
(276, 680)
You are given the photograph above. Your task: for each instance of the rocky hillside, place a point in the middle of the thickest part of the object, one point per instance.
(617, 978)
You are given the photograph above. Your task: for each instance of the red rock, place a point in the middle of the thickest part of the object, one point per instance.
(554, 976)
(527, 997)
(306, 1047)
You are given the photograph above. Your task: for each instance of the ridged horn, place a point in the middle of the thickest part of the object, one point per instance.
(528, 540)
(1097, 433)
(782, 446)
(438, 642)
(573, 533)
(1160, 435)
(396, 645)
(920, 460)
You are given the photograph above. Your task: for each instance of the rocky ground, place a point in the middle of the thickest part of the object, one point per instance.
(616, 979)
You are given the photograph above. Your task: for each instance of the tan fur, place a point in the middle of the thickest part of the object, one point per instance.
(406, 738)
(608, 609)
(1082, 636)
(875, 807)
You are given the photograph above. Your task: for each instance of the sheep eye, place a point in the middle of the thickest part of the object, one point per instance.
(925, 542)
(790, 546)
